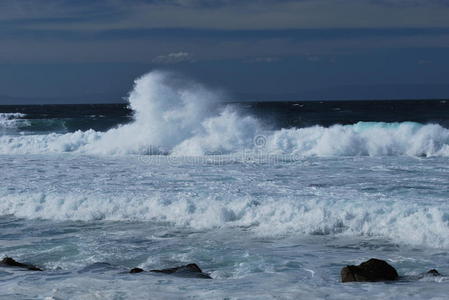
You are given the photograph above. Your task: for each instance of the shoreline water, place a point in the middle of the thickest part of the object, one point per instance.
(268, 200)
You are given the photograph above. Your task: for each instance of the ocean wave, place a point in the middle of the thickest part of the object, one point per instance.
(13, 120)
(399, 221)
(361, 139)
(176, 116)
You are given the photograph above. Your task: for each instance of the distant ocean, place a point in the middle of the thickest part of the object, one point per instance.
(271, 199)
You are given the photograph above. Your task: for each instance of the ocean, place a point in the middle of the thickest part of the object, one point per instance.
(271, 199)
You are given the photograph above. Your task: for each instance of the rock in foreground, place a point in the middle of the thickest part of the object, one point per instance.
(10, 262)
(136, 270)
(433, 272)
(369, 271)
(190, 270)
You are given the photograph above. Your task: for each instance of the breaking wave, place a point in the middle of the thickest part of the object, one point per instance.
(178, 117)
(397, 220)
(13, 120)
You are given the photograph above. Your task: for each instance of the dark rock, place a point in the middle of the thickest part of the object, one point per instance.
(136, 270)
(10, 262)
(433, 272)
(371, 270)
(428, 274)
(190, 270)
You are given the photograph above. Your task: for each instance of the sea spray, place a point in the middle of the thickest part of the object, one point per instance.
(176, 116)
(172, 115)
(167, 111)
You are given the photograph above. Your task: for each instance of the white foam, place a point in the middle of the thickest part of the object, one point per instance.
(230, 133)
(13, 120)
(397, 220)
(363, 139)
(49, 143)
(168, 110)
(176, 116)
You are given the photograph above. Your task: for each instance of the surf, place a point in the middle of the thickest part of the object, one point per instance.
(176, 116)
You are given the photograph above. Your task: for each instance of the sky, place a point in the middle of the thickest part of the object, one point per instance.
(85, 51)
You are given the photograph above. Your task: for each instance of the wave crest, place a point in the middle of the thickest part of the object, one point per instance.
(13, 120)
(363, 139)
(179, 117)
(401, 221)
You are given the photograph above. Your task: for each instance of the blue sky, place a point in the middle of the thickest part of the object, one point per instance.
(90, 51)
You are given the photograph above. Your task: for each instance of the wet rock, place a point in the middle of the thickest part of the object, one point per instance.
(369, 271)
(429, 274)
(190, 270)
(136, 270)
(10, 262)
(433, 272)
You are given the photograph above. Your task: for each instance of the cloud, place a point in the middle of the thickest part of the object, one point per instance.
(225, 14)
(145, 49)
(146, 30)
(173, 58)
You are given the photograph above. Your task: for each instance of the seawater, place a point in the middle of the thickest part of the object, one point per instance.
(271, 199)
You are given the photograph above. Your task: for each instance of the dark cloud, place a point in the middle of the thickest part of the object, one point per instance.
(223, 41)
(225, 14)
(216, 34)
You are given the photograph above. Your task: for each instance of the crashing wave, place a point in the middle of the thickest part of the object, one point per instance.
(175, 116)
(13, 120)
(398, 220)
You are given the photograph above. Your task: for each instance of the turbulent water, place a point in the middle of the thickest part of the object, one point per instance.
(271, 199)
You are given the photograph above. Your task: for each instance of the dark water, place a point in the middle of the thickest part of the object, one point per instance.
(101, 117)
(69, 118)
(305, 114)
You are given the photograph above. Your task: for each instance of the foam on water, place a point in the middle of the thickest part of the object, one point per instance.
(399, 221)
(175, 116)
(13, 120)
(279, 225)
(230, 133)
(363, 139)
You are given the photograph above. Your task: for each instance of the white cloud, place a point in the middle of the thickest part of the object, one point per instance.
(174, 58)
